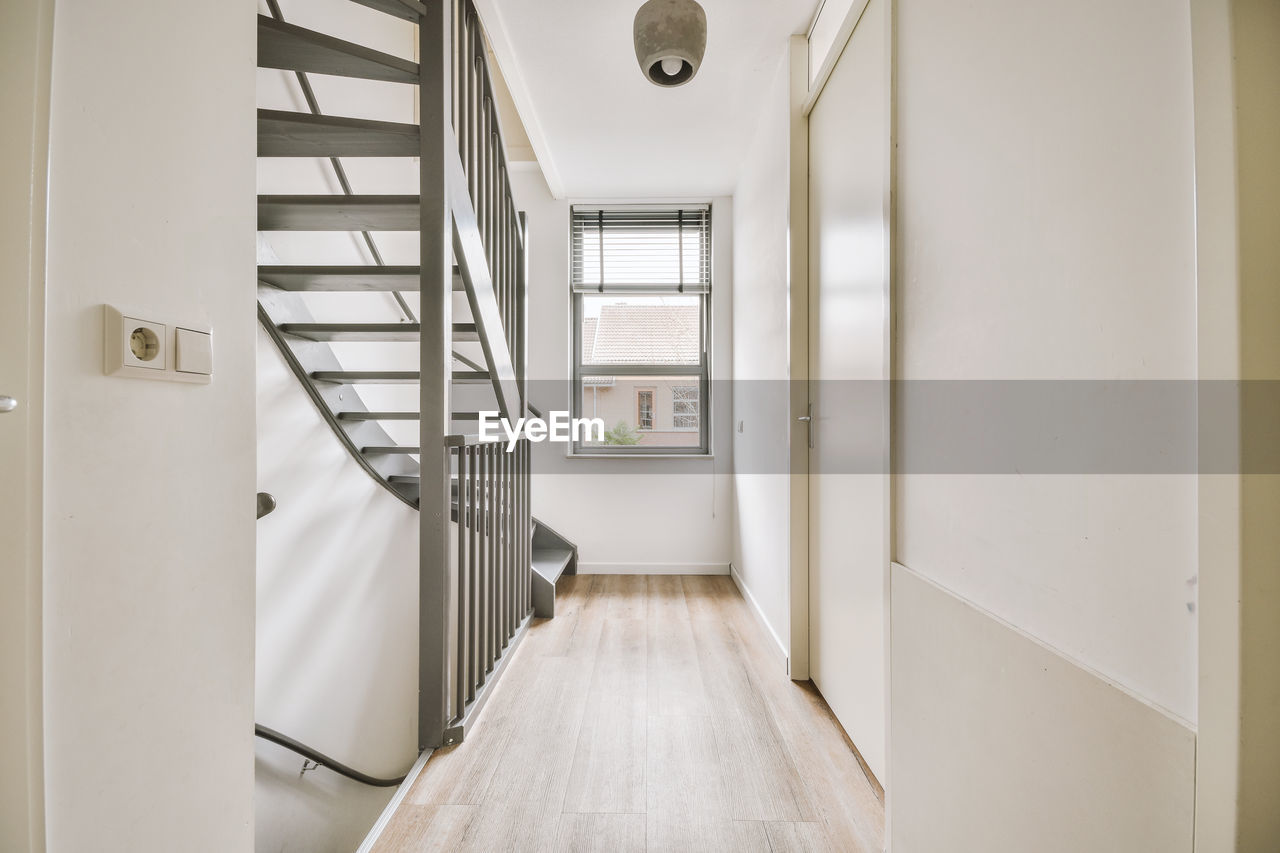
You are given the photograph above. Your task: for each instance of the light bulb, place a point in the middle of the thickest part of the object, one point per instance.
(672, 65)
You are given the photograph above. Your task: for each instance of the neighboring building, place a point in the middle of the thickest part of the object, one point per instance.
(661, 411)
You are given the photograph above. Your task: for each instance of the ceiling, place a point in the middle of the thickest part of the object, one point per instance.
(601, 130)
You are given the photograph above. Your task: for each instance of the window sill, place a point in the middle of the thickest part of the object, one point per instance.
(639, 456)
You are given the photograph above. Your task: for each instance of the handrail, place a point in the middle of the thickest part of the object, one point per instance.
(266, 503)
(323, 760)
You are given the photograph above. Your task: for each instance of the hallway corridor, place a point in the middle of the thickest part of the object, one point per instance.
(651, 714)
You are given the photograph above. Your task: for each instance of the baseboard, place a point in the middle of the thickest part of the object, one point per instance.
(380, 825)
(653, 568)
(783, 657)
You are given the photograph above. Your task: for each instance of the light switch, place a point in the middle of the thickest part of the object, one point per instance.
(194, 352)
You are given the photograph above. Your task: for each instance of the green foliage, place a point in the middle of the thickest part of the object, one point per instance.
(623, 433)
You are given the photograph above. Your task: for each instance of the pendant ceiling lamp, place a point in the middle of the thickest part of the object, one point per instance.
(670, 36)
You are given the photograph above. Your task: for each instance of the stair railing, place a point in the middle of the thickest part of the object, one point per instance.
(475, 573)
(473, 501)
(492, 584)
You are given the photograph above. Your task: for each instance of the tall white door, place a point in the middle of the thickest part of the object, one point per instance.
(25, 30)
(848, 369)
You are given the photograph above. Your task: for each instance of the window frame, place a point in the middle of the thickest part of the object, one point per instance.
(698, 375)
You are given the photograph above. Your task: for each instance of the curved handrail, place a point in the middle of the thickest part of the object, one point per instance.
(323, 760)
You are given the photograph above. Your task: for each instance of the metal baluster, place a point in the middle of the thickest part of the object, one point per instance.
(474, 105)
(460, 695)
(511, 268)
(528, 527)
(472, 575)
(502, 550)
(494, 642)
(482, 528)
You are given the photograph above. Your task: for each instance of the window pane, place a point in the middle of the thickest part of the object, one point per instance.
(642, 330)
(643, 411)
(684, 407)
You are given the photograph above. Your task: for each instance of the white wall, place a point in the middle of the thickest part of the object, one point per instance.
(337, 625)
(628, 515)
(1045, 226)
(761, 485)
(1064, 761)
(1046, 220)
(149, 531)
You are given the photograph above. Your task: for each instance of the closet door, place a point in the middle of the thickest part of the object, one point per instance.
(848, 368)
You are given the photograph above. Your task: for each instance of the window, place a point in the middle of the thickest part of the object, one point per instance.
(641, 283)
(644, 410)
(684, 406)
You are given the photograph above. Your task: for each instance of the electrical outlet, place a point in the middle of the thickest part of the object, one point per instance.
(135, 348)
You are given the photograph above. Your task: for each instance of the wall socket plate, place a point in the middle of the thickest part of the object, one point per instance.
(137, 348)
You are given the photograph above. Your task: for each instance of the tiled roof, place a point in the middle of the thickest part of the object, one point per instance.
(588, 339)
(642, 334)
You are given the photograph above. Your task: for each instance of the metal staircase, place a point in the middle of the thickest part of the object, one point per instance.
(484, 566)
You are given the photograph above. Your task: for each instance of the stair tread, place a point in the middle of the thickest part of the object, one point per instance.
(282, 133)
(389, 377)
(339, 213)
(358, 277)
(401, 416)
(549, 563)
(354, 331)
(293, 48)
(377, 416)
(368, 376)
(409, 10)
(366, 331)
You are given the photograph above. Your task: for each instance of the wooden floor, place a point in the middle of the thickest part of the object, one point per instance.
(652, 713)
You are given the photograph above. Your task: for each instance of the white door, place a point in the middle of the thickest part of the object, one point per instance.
(25, 34)
(848, 366)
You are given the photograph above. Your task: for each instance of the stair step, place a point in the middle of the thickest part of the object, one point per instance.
(339, 213)
(409, 486)
(353, 331)
(409, 10)
(348, 278)
(389, 449)
(390, 377)
(377, 416)
(380, 332)
(367, 377)
(293, 48)
(550, 562)
(288, 134)
(462, 417)
(548, 565)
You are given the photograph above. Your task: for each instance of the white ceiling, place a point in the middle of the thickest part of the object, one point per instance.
(601, 129)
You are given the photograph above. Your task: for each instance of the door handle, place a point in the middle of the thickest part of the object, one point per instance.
(7, 404)
(807, 420)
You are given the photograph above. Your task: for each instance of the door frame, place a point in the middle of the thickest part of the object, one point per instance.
(798, 387)
(26, 59)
